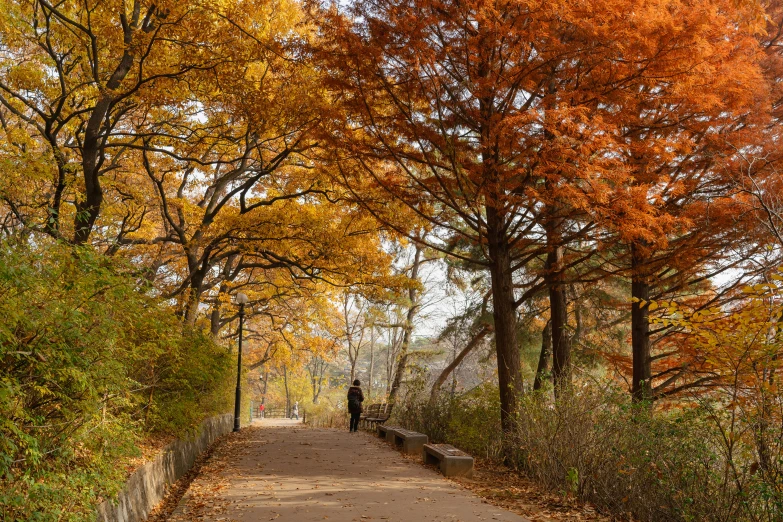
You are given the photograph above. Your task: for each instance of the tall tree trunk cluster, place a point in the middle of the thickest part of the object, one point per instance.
(558, 309)
(504, 313)
(407, 329)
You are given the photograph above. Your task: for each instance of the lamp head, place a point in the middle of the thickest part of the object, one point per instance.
(241, 299)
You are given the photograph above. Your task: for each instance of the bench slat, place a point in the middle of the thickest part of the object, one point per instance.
(452, 461)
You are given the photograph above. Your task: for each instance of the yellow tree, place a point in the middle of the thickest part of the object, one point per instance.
(177, 135)
(734, 353)
(240, 202)
(79, 78)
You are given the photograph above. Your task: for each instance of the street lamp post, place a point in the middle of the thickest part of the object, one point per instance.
(241, 300)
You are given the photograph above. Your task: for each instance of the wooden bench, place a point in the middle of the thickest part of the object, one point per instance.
(409, 441)
(452, 462)
(371, 412)
(382, 415)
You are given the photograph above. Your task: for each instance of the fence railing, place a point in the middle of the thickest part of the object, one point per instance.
(275, 413)
(272, 413)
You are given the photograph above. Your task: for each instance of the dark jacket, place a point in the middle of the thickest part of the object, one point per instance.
(357, 392)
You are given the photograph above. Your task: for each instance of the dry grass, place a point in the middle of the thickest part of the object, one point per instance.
(506, 488)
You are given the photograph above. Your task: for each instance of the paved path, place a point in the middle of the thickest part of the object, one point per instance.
(281, 470)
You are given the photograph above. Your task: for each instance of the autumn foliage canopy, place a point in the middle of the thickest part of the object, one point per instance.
(604, 175)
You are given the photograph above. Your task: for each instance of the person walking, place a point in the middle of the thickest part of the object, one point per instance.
(295, 410)
(355, 400)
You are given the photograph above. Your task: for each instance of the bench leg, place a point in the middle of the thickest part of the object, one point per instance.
(430, 459)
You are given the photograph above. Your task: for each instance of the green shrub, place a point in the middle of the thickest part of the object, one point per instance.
(89, 362)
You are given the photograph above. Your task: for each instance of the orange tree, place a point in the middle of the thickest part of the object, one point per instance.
(500, 122)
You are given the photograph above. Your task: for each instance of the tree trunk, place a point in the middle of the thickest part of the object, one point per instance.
(353, 349)
(287, 392)
(191, 307)
(402, 360)
(578, 318)
(194, 291)
(558, 311)
(215, 314)
(762, 435)
(314, 384)
(87, 210)
(214, 319)
(561, 348)
(317, 377)
(372, 362)
(457, 361)
(391, 355)
(93, 145)
(543, 358)
(641, 388)
(389, 348)
(353, 370)
(504, 313)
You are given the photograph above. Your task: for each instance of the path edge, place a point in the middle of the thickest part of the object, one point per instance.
(147, 486)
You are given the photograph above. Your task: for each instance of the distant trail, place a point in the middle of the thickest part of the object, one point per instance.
(283, 471)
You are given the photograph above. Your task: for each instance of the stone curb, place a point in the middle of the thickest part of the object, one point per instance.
(147, 486)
